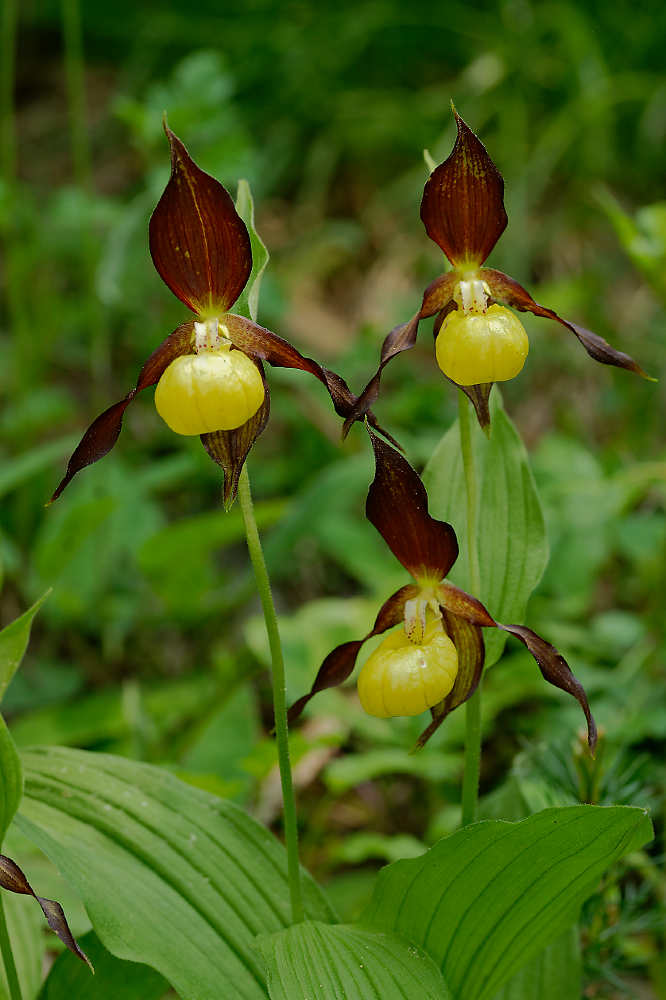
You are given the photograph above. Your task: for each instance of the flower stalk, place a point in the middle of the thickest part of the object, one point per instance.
(8, 956)
(279, 693)
(472, 769)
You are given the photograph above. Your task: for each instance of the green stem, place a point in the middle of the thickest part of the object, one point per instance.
(470, 789)
(8, 957)
(279, 694)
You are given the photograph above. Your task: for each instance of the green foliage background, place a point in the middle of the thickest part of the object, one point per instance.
(149, 644)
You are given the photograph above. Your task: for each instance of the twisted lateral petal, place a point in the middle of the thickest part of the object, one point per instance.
(468, 640)
(554, 668)
(103, 433)
(230, 448)
(13, 879)
(198, 242)
(397, 506)
(436, 298)
(505, 288)
(341, 661)
(261, 343)
(463, 201)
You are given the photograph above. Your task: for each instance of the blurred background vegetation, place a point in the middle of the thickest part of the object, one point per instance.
(150, 644)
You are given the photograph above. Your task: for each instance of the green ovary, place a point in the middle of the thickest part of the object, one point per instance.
(473, 348)
(403, 678)
(215, 390)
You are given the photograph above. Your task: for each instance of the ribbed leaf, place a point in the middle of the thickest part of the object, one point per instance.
(346, 962)
(553, 974)
(14, 640)
(485, 900)
(113, 977)
(513, 548)
(169, 875)
(26, 933)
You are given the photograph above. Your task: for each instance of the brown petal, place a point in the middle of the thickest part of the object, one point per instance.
(468, 640)
(198, 241)
(261, 343)
(463, 207)
(397, 505)
(556, 671)
(13, 879)
(552, 664)
(340, 663)
(505, 288)
(402, 338)
(230, 448)
(103, 433)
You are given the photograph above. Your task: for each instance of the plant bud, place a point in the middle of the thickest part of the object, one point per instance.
(477, 347)
(215, 390)
(405, 678)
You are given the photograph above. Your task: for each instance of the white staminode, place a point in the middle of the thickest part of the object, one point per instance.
(209, 335)
(472, 296)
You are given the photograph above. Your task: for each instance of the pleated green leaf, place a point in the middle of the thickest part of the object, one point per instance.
(113, 978)
(511, 532)
(554, 974)
(25, 925)
(314, 961)
(483, 901)
(170, 875)
(11, 779)
(14, 640)
(248, 303)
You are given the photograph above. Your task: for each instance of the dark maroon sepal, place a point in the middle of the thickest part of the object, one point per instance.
(556, 671)
(230, 448)
(468, 640)
(340, 662)
(13, 879)
(463, 201)
(436, 298)
(198, 241)
(513, 294)
(103, 433)
(397, 506)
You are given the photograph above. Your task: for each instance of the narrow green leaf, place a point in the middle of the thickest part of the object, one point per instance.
(113, 978)
(346, 962)
(511, 532)
(554, 974)
(248, 303)
(170, 875)
(483, 901)
(14, 640)
(11, 779)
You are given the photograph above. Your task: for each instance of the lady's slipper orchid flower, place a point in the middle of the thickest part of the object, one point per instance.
(436, 659)
(209, 373)
(478, 340)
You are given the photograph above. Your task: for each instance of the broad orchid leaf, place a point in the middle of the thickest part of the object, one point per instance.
(113, 977)
(332, 962)
(14, 640)
(170, 875)
(11, 779)
(511, 532)
(485, 900)
(553, 974)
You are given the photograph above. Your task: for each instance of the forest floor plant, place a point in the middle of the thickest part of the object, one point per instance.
(184, 882)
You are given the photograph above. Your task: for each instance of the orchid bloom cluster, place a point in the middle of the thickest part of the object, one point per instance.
(208, 372)
(210, 381)
(478, 341)
(434, 659)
